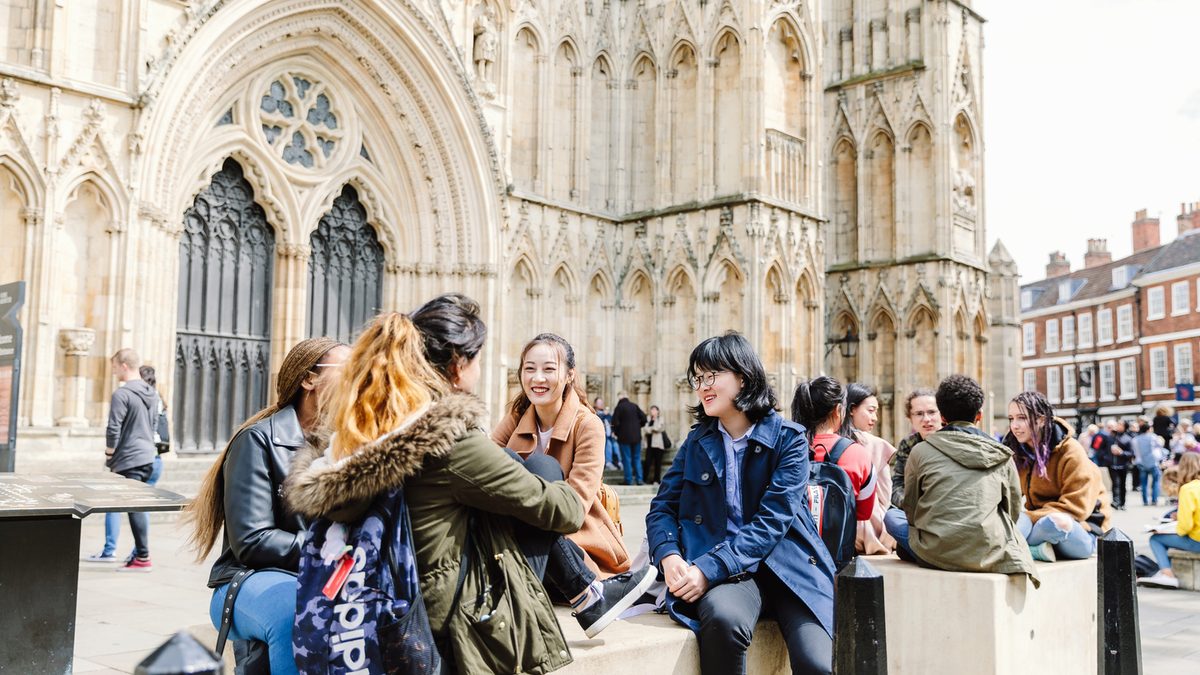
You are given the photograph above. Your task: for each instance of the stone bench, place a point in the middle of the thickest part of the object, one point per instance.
(953, 622)
(1186, 566)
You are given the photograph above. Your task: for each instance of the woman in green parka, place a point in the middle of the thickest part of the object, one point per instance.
(397, 421)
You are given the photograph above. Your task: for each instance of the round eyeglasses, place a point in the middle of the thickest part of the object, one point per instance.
(702, 379)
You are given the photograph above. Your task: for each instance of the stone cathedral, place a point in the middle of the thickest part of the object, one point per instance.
(210, 181)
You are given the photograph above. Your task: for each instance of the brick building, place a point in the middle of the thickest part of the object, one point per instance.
(1113, 339)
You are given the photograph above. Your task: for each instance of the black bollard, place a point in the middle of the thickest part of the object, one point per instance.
(859, 634)
(180, 655)
(1120, 642)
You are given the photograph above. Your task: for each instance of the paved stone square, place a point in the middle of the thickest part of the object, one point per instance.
(122, 617)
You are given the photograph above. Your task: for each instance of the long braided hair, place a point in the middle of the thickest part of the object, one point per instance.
(207, 511)
(1040, 414)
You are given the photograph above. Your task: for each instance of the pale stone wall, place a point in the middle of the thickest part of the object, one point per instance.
(636, 176)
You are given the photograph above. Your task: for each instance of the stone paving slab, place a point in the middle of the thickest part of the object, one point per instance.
(123, 617)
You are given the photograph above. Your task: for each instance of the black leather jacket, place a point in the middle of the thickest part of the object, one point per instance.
(260, 532)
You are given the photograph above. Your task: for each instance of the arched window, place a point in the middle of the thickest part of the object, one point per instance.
(728, 130)
(845, 203)
(526, 87)
(564, 119)
(921, 219)
(600, 143)
(881, 198)
(345, 270)
(222, 344)
(643, 150)
(685, 161)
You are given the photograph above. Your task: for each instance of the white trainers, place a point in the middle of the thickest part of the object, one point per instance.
(1159, 579)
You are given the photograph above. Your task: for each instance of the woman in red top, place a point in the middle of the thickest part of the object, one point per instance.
(820, 405)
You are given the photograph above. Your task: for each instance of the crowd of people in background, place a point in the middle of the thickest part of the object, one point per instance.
(373, 464)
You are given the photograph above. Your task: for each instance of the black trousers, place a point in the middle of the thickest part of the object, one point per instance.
(730, 611)
(1118, 484)
(652, 467)
(557, 560)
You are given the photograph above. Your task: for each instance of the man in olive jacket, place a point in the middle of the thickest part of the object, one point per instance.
(962, 495)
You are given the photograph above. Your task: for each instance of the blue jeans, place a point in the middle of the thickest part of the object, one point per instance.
(1150, 481)
(112, 519)
(264, 611)
(631, 462)
(1159, 543)
(612, 454)
(1075, 543)
(896, 524)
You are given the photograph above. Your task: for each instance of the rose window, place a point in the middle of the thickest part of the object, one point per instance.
(299, 121)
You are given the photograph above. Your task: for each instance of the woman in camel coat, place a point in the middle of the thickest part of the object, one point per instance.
(574, 437)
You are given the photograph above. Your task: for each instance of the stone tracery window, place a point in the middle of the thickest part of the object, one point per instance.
(300, 120)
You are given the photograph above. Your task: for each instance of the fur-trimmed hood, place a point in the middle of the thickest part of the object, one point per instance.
(316, 487)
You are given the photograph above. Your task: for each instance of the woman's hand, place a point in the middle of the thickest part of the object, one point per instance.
(673, 567)
(690, 586)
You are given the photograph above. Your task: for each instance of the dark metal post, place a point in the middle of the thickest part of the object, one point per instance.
(859, 634)
(39, 579)
(1120, 643)
(181, 655)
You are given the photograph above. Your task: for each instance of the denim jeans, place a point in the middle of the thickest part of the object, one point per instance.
(631, 461)
(612, 453)
(896, 524)
(112, 519)
(1159, 543)
(1150, 482)
(558, 561)
(139, 522)
(1075, 543)
(730, 611)
(264, 611)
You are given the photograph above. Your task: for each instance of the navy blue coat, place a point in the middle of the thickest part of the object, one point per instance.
(689, 515)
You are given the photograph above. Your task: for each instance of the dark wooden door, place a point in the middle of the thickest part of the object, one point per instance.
(222, 343)
(345, 271)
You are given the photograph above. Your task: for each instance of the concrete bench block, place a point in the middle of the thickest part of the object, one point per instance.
(954, 623)
(1186, 566)
(654, 643)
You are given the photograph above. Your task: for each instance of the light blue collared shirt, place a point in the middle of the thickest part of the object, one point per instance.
(735, 450)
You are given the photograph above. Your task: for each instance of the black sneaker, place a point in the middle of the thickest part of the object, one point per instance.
(620, 592)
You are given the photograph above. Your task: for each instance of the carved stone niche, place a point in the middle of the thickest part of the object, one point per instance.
(593, 382)
(641, 384)
(886, 398)
(76, 341)
(682, 384)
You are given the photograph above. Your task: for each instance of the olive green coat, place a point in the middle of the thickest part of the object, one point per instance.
(451, 473)
(963, 498)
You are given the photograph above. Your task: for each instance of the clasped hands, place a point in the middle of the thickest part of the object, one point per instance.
(685, 581)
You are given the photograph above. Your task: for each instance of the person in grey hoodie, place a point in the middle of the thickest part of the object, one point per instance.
(962, 495)
(130, 440)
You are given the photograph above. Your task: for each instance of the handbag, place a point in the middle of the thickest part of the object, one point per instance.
(666, 440)
(162, 429)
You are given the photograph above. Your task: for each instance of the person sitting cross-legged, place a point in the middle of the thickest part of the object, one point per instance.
(962, 495)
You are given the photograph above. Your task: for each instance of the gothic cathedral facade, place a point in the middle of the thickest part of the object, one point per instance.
(210, 181)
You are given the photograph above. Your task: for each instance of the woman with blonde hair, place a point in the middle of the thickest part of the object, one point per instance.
(1187, 524)
(242, 495)
(405, 416)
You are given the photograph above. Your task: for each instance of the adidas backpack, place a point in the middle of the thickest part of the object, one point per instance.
(359, 609)
(831, 501)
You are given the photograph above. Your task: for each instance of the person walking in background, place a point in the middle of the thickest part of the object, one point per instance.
(872, 538)
(241, 500)
(1086, 438)
(656, 444)
(132, 413)
(1148, 453)
(612, 454)
(1121, 455)
(1066, 507)
(627, 421)
(1164, 424)
(1187, 524)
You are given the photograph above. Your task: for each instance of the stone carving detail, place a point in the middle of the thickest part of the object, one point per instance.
(76, 341)
(484, 50)
(299, 121)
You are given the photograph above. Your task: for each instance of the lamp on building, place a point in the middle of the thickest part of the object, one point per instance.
(848, 344)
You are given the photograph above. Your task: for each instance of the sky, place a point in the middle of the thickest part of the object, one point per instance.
(1091, 112)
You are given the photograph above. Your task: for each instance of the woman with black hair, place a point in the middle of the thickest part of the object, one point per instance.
(863, 406)
(1066, 506)
(730, 527)
(820, 405)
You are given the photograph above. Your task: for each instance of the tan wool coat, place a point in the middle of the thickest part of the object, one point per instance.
(1072, 484)
(577, 443)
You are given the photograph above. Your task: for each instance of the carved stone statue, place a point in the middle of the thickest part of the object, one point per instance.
(484, 50)
(964, 192)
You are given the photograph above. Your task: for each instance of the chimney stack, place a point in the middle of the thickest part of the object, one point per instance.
(1189, 217)
(1058, 265)
(1145, 232)
(1097, 253)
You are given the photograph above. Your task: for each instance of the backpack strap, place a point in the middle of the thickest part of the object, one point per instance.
(235, 587)
(835, 453)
